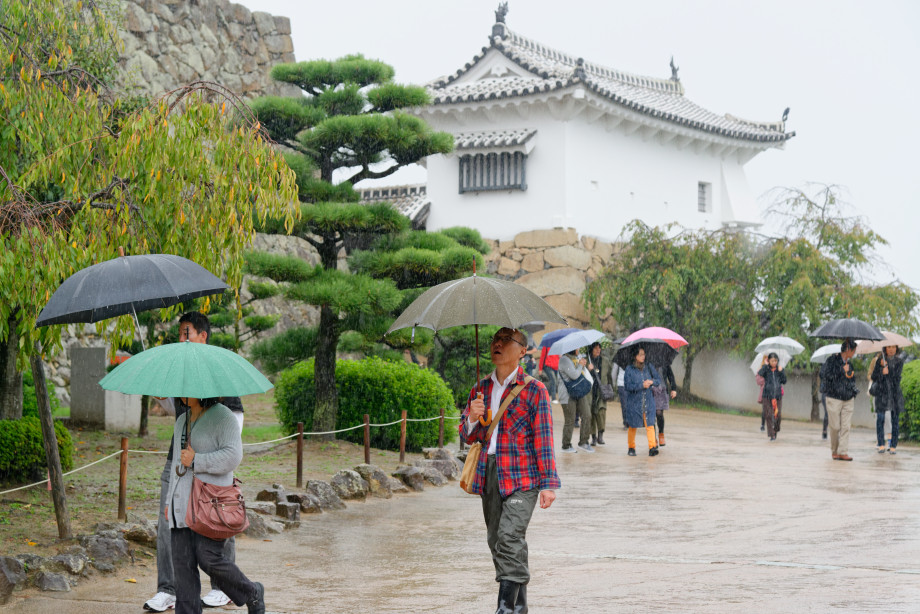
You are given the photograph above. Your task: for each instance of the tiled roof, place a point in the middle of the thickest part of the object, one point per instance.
(493, 138)
(411, 200)
(554, 70)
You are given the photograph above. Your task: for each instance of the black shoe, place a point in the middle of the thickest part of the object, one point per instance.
(593, 440)
(632, 452)
(520, 606)
(600, 438)
(653, 451)
(823, 435)
(507, 596)
(763, 428)
(256, 603)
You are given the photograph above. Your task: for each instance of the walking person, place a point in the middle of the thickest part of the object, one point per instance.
(518, 469)
(194, 327)
(774, 379)
(640, 401)
(571, 368)
(208, 437)
(663, 395)
(888, 395)
(598, 404)
(618, 374)
(840, 389)
(760, 381)
(549, 365)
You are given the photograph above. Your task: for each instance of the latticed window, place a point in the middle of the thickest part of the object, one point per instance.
(704, 197)
(493, 171)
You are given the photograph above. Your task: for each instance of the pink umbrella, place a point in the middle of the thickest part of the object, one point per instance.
(657, 334)
(871, 347)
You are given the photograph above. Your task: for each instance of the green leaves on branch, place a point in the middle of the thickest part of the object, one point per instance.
(279, 268)
(319, 75)
(285, 118)
(344, 292)
(390, 96)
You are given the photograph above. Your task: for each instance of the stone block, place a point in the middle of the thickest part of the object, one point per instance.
(588, 242)
(533, 262)
(505, 246)
(568, 256)
(449, 468)
(48, 581)
(396, 486)
(275, 494)
(349, 485)
(12, 577)
(69, 563)
(105, 547)
(437, 454)
(265, 22)
(309, 504)
(378, 482)
(558, 280)
(603, 250)
(261, 526)
(412, 477)
(569, 305)
(508, 267)
(546, 238)
(288, 510)
(240, 14)
(282, 25)
(266, 508)
(325, 494)
(278, 43)
(180, 35)
(136, 19)
(433, 476)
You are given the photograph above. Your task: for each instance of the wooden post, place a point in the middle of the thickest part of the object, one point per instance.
(367, 439)
(123, 482)
(441, 430)
(300, 455)
(52, 455)
(402, 438)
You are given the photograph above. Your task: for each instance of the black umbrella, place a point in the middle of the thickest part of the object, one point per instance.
(126, 285)
(848, 328)
(657, 353)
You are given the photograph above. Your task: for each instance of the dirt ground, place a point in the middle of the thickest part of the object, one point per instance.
(722, 521)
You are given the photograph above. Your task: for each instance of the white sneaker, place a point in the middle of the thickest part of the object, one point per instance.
(215, 599)
(586, 447)
(160, 603)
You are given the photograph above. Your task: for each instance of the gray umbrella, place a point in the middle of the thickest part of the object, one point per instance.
(848, 328)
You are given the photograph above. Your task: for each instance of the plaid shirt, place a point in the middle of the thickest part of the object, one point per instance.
(524, 450)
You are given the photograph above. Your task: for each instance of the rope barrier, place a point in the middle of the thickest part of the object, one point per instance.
(66, 474)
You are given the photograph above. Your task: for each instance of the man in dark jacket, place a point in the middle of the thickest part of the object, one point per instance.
(838, 385)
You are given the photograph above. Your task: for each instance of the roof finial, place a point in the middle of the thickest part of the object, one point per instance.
(579, 69)
(501, 12)
(674, 70)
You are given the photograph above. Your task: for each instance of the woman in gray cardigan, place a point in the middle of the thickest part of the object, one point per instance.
(211, 453)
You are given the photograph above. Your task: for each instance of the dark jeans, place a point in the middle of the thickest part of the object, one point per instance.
(824, 405)
(506, 526)
(550, 381)
(880, 428)
(191, 551)
(773, 424)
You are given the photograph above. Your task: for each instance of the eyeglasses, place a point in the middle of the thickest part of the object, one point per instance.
(504, 338)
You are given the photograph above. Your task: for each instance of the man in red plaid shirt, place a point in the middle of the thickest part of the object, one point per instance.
(518, 468)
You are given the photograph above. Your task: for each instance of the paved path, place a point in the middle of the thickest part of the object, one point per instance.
(722, 521)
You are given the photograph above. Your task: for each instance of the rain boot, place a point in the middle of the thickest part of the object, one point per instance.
(593, 440)
(507, 596)
(660, 439)
(520, 606)
(600, 438)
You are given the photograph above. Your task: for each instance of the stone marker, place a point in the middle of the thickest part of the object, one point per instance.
(412, 477)
(325, 495)
(349, 484)
(378, 482)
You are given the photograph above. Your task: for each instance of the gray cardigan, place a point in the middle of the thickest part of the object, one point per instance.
(218, 451)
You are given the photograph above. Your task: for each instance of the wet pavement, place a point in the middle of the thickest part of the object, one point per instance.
(721, 521)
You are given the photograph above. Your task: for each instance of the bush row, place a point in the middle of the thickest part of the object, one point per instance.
(22, 453)
(910, 386)
(373, 386)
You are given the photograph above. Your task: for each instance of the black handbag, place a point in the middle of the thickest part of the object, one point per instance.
(607, 392)
(873, 389)
(578, 388)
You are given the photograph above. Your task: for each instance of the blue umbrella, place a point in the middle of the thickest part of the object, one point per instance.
(553, 336)
(573, 341)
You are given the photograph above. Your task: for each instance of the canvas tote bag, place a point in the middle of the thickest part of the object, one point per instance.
(472, 456)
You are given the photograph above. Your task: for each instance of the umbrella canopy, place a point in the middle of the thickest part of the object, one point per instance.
(847, 328)
(573, 341)
(773, 344)
(657, 353)
(126, 285)
(657, 334)
(783, 355)
(824, 352)
(871, 347)
(532, 327)
(186, 369)
(476, 300)
(555, 335)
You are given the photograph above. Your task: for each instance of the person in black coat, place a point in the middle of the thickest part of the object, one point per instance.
(663, 395)
(888, 396)
(773, 380)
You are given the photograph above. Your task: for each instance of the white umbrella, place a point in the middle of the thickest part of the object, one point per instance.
(824, 352)
(871, 347)
(784, 358)
(772, 344)
(573, 341)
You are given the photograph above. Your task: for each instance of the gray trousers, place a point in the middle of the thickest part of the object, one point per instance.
(192, 551)
(583, 407)
(166, 582)
(506, 526)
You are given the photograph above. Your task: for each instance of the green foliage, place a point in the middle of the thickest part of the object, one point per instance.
(285, 349)
(454, 358)
(30, 403)
(910, 386)
(416, 259)
(382, 389)
(286, 117)
(468, 237)
(321, 75)
(22, 453)
(263, 289)
(278, 267)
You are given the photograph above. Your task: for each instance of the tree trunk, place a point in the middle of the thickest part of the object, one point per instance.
(327, 398)
(816, 396)
(10, 377)
(52, 455)
(145, 411)
(684, 393)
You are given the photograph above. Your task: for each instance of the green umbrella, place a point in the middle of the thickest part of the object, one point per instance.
(186, 369)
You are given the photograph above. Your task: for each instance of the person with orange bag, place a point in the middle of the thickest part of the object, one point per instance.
(773, 381)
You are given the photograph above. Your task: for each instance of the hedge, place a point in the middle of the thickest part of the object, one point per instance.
(22, 453)
(376, 387)
(29, 402)
(910, 386)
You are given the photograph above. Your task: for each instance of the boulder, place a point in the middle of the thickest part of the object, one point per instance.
(559, 280)
(70, 563)
(412, 477)
(144, 533)
(546, 238)
(105, 547)
(266, 508)
(396, 486)
(12, 577)
(288, 510)
(378, 482)
(569, 305)
(603, 250)
(449, 468)
(261, 526)
(48, 581)
(533, 262)
(437, 454)
(433, 476)
(508, 267)
(325, 495)
(568, 256)
(31, 562)
(309, 504)
(349, 484)
(588, 242)
(288, 524)
(275, 494)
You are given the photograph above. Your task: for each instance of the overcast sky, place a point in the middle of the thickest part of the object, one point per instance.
(847, 69)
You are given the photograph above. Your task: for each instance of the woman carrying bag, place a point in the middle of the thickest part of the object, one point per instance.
(772, 399)
(208, 436)
(639, 379)
(578, 383)
(886, 388)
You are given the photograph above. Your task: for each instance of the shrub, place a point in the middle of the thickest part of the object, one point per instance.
(371, 386)
(29, 402)
(454, 357)
(910, 386)
(22, 453)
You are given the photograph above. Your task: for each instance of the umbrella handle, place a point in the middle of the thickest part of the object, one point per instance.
(487, 420)
(181, 473)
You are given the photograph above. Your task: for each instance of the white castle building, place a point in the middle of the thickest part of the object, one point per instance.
(547, 140)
